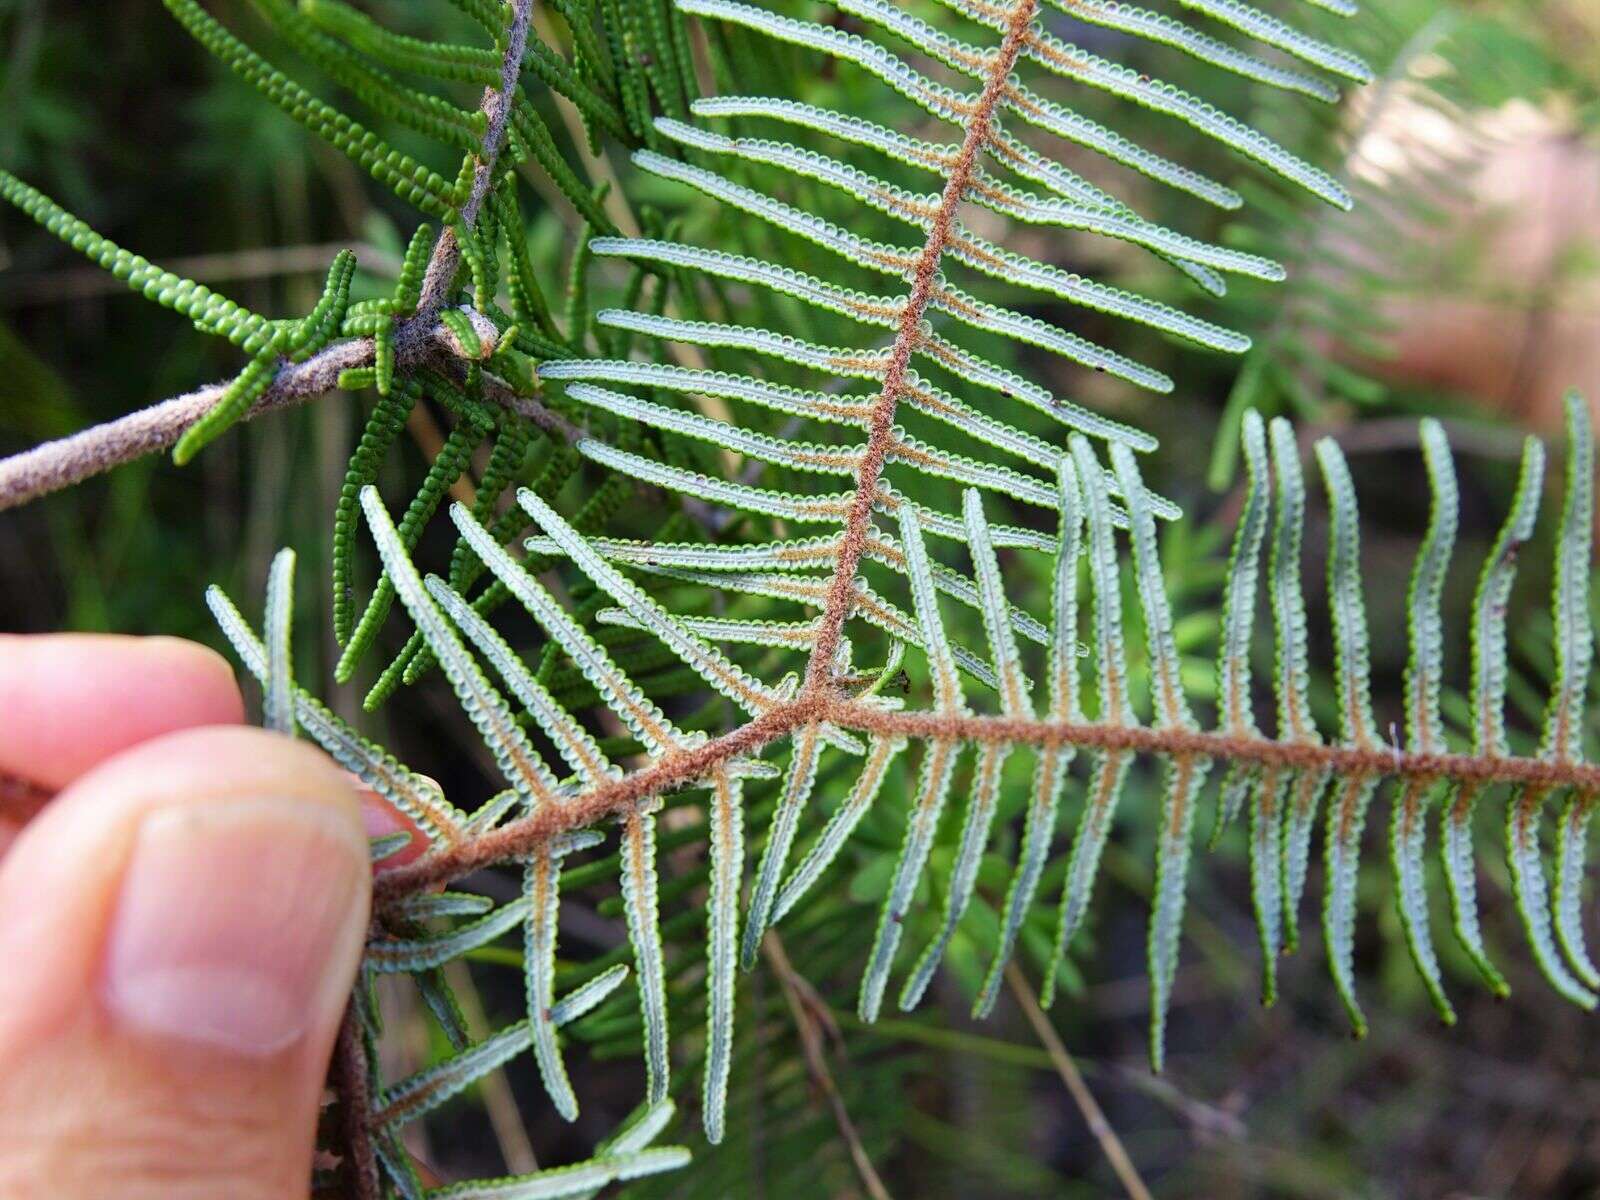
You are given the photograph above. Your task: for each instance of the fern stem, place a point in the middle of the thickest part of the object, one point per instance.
(498, 103)
(670, 771)
(52, 466)
(925, 278)
(55, 465)
(1346, 761)
(683, 768)
(353, 1085)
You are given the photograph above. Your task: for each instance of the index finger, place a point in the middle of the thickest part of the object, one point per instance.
(70, 701)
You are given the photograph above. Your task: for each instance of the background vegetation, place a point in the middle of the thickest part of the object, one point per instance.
(1465, 286)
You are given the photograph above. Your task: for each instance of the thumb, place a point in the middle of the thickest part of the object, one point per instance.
(179, 933)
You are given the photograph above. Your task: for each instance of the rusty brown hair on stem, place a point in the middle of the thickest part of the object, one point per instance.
(672, 773)
(880, 426)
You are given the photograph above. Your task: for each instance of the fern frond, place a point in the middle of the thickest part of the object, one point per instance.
(965, 169)
(1185, 773)
(448, 466)
(1155, 27)
(1284, 774)
(209, 311)
(1105, 217)
(524, 770)
(1574, 648)
(642, 717)
(579, 1179)
(1015, 701)
(1062, 58)
(797, 787)
(1408, 823)
(1532, 892)
(433, 116)
(964, 247)
(414, 795)
(418, 1094)
(574, 743)
(541, 885)
(1050, 770)
(1574, 636)
(409, 179)
(722, 932)
(881, 753)
(1488, 640)
(1238, 623)
(641, 903)
(1272, 32)
(1347, 812)
(1239, 599)
(937, 767)
(465, 64)
(886, 311)
(954, 106)
(279, 702)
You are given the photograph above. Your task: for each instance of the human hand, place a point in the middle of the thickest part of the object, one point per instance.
(179, 927)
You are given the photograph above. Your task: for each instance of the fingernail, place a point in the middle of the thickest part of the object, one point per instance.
(239, 923)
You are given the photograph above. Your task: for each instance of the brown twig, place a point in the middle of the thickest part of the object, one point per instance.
(51, 466)
(355, 1100)
(496, 104)
(795, 992)
(50, 287)
(505, 1118)
(1101, 1128)
(21, 799)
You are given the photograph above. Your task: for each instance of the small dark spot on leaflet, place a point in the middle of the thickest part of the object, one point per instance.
(549, 1014)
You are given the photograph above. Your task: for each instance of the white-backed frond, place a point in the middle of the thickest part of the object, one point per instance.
(484, 706)
(646, 721)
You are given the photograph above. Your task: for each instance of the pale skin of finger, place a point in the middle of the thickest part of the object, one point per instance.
(381, 820)
(71, 701)
(102, 1092)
